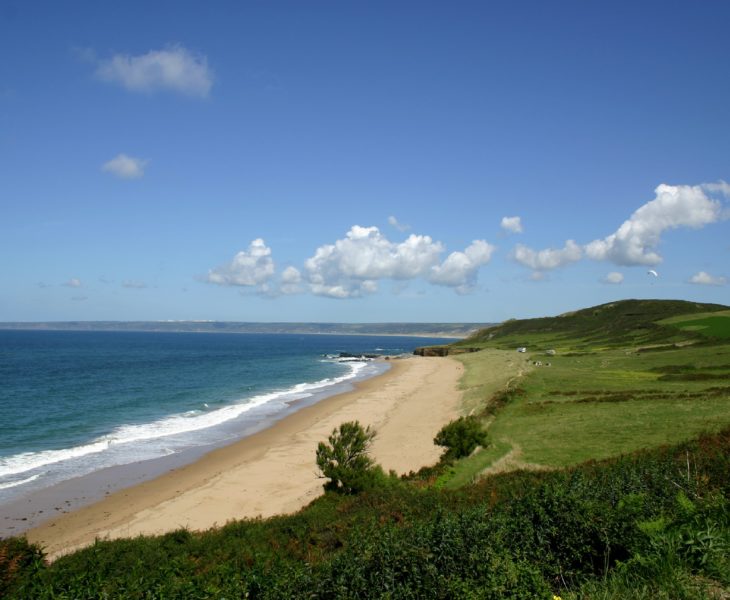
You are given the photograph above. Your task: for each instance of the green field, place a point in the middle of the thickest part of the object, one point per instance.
(713, 325)
(597, 396)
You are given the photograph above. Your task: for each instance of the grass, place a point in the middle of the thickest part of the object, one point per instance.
(594, 401)
(486, 373)
(714, 325)
(625, 323)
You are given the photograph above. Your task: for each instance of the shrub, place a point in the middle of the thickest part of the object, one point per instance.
(461, 437)
(345, 461)
(19, 561)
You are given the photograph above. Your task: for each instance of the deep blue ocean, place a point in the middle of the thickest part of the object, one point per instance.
(75, 402)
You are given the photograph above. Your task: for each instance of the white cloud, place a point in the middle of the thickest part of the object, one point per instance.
(172, 68)
(459, 270)
(512, 224)
(291, 275)
(635, 242)
(291, 280)
(125, 167)
(613, 277)
(393, 222)
(250, 267)
(74, 282)
(352, 267)
(135, 285)
(703, 278)
(550, 258)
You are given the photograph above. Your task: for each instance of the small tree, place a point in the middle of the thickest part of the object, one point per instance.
(344, 461)
(461, 437)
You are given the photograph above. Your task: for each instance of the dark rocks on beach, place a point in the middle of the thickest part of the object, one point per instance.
(443, 350)
(360, 356)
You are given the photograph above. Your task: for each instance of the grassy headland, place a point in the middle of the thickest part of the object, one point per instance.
(607, 476)
(597, 383)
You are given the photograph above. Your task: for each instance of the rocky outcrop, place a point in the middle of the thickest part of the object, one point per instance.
(359, 356)
(443, 350)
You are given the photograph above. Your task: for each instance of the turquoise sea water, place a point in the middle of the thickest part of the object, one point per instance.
(72, 403)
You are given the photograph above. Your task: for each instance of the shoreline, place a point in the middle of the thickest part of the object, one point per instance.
(272, 471)
(32, 507)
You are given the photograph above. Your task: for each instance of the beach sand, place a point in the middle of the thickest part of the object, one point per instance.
(273, 472)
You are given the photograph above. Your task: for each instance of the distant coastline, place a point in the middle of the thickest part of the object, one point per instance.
(445, 330)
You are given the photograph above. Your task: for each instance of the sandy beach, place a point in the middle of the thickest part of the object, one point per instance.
(273, 472)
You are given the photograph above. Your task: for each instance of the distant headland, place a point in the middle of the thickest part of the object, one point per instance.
(447, 330)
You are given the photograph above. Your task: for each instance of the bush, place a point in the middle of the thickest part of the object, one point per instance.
(461, 437)
(19, 561)
(345, 461)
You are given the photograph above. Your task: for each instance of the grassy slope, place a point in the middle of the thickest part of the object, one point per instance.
(624, 323)
(713, 324)
(619, 381)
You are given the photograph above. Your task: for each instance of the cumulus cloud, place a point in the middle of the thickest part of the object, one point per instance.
(459, 270)
(613, 277)
(173, 68)
(291, 280)
(125, 167)
(249, 268)
(352, 266)
(393, 222)
(74, 282)
(550, 258)
(703, 278)
(635, 242)
(512, 224)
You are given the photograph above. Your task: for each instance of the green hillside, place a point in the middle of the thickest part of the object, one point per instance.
(627, 322)
(713, 324)
(596, 383)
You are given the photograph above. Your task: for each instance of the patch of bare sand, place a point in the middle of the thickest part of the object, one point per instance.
(512, 461)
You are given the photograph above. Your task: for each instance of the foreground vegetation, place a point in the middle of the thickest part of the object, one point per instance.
(650, 525)
(611, 499)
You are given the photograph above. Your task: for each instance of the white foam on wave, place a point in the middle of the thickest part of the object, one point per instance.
(173, 425)
(10, 484)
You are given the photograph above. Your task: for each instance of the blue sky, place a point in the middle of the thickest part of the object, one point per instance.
(360, 161)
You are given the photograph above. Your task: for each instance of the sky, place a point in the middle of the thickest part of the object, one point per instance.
(342, 161)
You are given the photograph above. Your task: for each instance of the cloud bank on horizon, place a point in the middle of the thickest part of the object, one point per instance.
(353, 266)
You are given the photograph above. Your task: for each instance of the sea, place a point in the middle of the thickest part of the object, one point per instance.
(77, 402)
